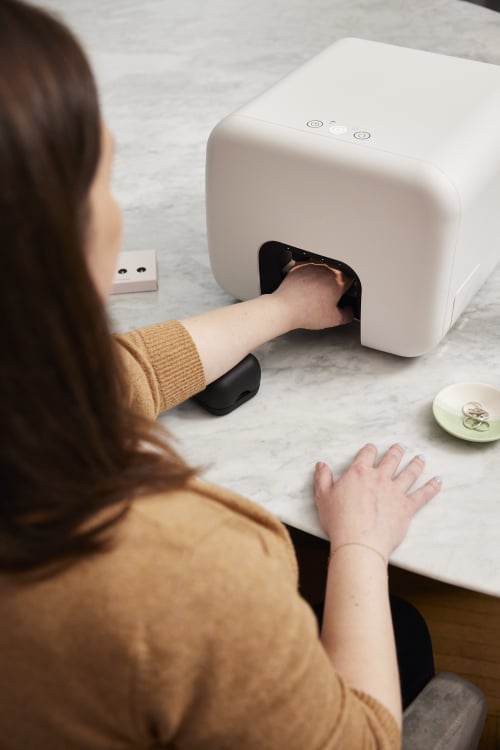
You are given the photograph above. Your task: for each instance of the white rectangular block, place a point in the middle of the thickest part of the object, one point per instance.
(135, 272)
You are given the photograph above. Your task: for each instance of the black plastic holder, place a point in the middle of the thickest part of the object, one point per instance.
(234, 388)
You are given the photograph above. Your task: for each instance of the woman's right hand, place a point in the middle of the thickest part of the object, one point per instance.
(371, 503)
(310, 293)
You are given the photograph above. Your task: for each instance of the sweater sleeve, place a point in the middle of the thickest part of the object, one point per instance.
(250, 671)
(162, 366)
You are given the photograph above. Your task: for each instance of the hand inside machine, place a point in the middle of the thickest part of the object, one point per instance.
(312, 291)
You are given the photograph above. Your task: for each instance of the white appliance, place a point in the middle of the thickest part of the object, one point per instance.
(382, 160)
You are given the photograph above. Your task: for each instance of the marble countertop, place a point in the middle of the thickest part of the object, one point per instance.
(168, 72)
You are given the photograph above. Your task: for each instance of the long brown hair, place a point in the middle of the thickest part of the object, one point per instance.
(68, 445)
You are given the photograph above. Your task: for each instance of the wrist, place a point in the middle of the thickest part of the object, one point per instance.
(360, 545)
(283, 311)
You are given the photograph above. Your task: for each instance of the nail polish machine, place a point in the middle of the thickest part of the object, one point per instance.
(378, 160)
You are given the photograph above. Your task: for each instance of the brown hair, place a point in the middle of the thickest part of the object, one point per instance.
(69, 446)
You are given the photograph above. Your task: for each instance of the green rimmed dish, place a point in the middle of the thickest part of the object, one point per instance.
(448, 411)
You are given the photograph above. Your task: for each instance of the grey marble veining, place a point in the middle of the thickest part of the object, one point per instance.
(168, 72)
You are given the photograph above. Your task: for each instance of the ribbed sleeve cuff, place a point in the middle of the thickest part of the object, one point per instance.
(175, 361)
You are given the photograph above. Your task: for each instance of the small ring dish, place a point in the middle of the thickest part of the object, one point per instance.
(469, 411)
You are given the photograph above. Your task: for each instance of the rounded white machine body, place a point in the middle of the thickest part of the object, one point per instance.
(382, 159)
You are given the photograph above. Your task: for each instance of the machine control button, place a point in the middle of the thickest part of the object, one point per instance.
(338, 129)
(362, 135)
(315, 124)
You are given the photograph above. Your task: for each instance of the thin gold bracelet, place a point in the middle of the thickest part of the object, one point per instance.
(356, 544)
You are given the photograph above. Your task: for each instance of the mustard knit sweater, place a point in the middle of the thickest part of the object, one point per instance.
(188, 634)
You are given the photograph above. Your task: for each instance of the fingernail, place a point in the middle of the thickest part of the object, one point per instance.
(438, 479)
(402, 446)
(421, 457)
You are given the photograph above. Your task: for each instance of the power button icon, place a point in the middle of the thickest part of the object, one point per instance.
(362, 135)
(315, 124)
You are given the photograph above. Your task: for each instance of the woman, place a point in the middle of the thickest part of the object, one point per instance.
(140, 606)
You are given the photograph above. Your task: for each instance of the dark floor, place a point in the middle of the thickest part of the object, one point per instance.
(493, 4)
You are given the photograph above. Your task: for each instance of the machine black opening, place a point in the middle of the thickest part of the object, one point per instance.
(276, 258)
